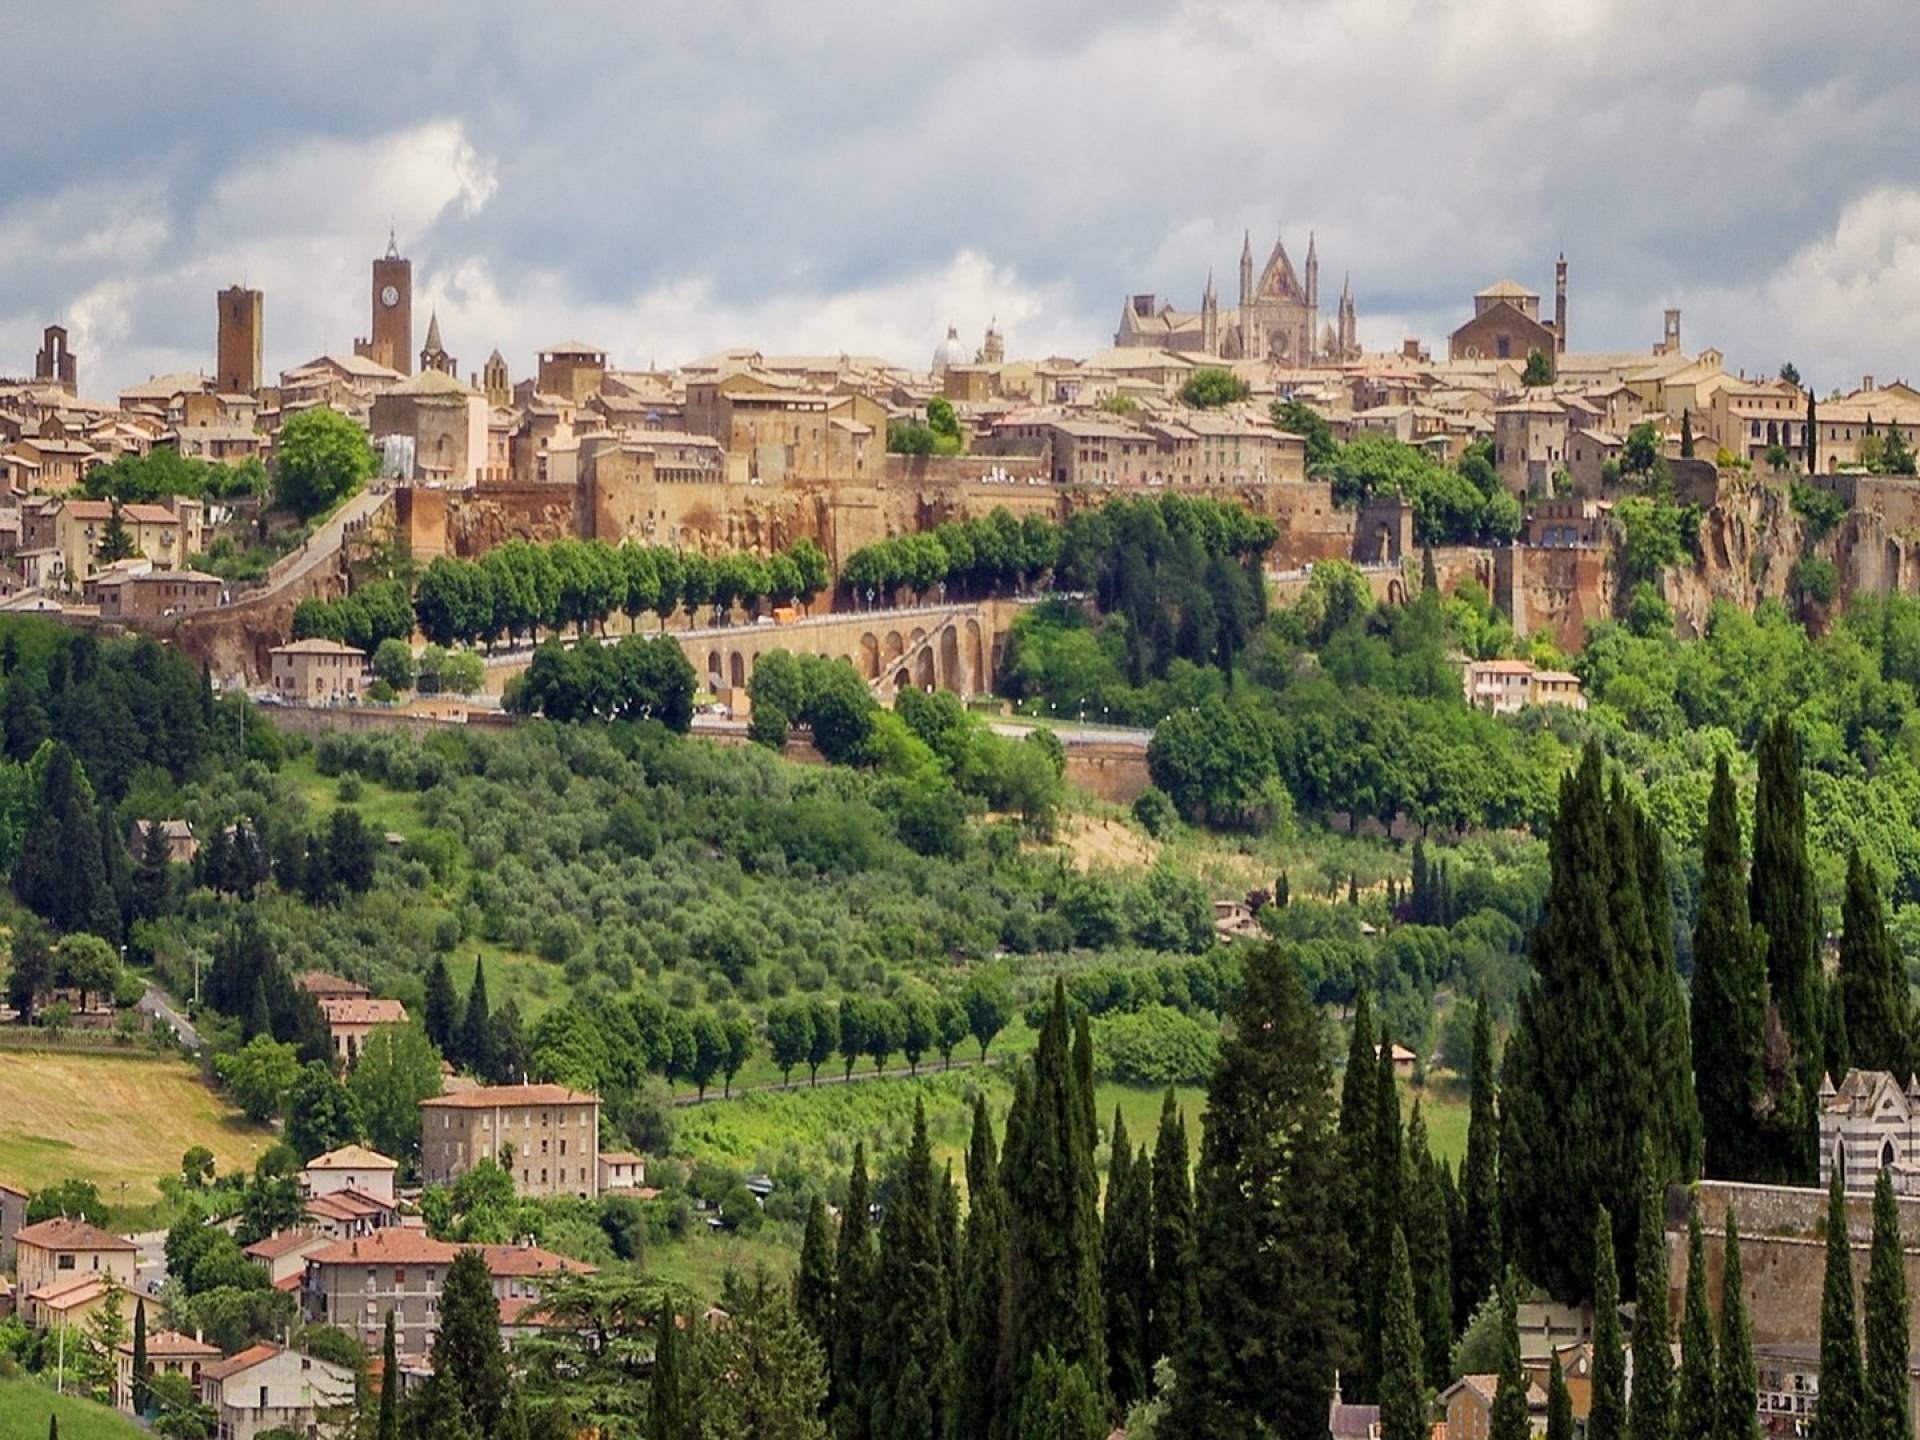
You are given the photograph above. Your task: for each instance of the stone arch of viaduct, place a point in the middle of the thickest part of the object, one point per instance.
(941, 648)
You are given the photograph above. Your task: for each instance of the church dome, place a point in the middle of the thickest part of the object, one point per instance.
(948, 352)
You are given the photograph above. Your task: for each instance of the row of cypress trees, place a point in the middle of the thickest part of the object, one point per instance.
(1044, 1315)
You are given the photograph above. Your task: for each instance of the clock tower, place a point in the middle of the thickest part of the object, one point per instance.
(391, 344)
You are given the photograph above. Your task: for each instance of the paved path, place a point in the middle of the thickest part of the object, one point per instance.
(156, 1004)
(321, 546)
(1080, 735)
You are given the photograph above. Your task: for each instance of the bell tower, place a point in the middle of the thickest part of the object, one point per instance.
(390, 342)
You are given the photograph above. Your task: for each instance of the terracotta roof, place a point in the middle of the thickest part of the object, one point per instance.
(405, 1246)
(529, 1260)
(285, 1243)
(234, 1364)
(347, 1204)
(172, 1345)
(67, 1294)
(352, 1157)
(316, 646)
(61, 1233)
(486, 1097)
(362, 1009)
(319, 983)
(621, 1157)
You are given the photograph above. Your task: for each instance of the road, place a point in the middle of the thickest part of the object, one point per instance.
(321, 546)
(154, 1003)
(1079, 735)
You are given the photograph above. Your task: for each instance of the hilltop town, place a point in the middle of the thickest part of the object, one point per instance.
(551, 899)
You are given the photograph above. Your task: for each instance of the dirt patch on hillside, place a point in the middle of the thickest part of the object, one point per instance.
(1106, 844)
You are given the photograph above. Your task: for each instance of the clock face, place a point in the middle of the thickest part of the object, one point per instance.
(390, 296)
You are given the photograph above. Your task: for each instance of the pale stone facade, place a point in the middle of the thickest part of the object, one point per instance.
(546, 1136)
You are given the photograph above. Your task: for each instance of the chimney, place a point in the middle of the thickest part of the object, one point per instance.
(1866, 382)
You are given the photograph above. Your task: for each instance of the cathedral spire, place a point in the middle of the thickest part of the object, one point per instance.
(1246, 268)
(434, 346)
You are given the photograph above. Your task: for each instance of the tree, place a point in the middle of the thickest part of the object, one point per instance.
(321, 1113)
(321, 458)
(1872, 978)
(196, 1167)
(388, 1427)
(1843, 1413)
(259, 1074)
(886, 1028)
(1053, 1213)
(32, 972)
(1212, 386)
(670, 1414)
(1060, 1404)
(855, 1263)
(469, 1367)
(398, 1068)
(1896, 454)
(789, 1032)
(1695, 1410)
(153, 874)
(758, 1373)
(988, 1000)
(1686, 434)
(1403, 1386)
(350, 850)
(1737, 1385)
(1650, 1416)
(476, 1030)
(909, 1358)
(1174, 1301)
(1785, 907)
(1599, 1055)
(1430, 1248)
(1387, 1187)
(1559, 1404)
(738, 1030)
(1478, 1265)
(1607, 1417)
(1359, 1118)
(1539, 370)
(1886, 1409)
(140, 1401)
(61, 874)
(709, 1049)
(1298, 418)
(1262, 1349)
(393, 663)
(116, 541)
(825, 1035)
(813, 1296)
(982, 1389)
(441, 1006)
(1127, 1268)
(1510, 1418)
(1729, 1001)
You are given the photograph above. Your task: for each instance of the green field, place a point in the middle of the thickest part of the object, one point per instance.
(119, 1121)
(25, 1405)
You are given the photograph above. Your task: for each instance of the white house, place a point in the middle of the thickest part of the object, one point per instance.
(266, 1387)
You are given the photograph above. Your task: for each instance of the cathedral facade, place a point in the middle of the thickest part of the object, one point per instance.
(1277, 318)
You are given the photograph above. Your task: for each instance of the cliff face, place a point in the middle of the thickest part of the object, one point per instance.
(1750, 540)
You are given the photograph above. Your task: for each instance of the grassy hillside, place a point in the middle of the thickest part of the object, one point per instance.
(112, 1119)
(25, 1405)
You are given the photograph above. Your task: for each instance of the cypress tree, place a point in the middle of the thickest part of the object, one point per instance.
(1261, 1351)
(1873, 979)
(1173, 1296)
(1686, 434)
(669, 1404)
(981, 1384)
(441, 1007)
(1510, 1419)
(1559, 1404)
(1729, 1002)
(1737, 1385)
(1650, 1413)
(476, 1031)
(1419, 882)
(1842, 1414)
(140, 1356)
(1694, 1412)
(947, 1218)
(1478, 1264)
(1359, 1118)
(1885, 1389)
(1781, 892)
(1083, 1088)
(1607, 1416)
(1053, 1212)
(1127, 1271)
(1599, 1055)
(469, 1366)
(853, 1284)
(908, 1360)
(389, 1423)
(1403, 1386)
(1060, 1404)
(1387, 1186)
(813, 1284)
(1429, 1250)
(259, 1019)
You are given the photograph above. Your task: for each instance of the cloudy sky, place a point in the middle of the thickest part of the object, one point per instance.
(668, 177)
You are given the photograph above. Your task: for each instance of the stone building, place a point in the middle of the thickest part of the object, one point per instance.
(55, 364)
(1869, 1122)
(318, 672)
(237, 364)
(546, 1137)
(1277, 318)
(439, 419)
(1506, 323)
(390, 340)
